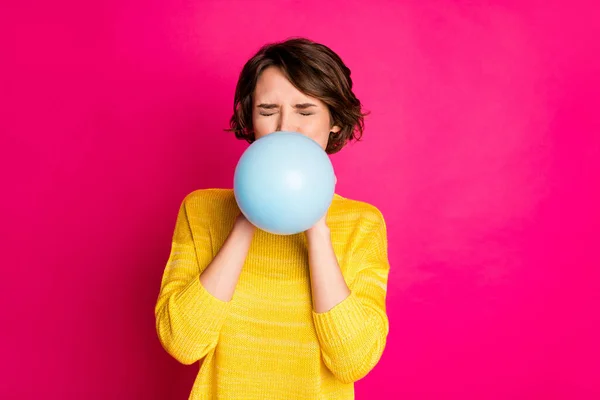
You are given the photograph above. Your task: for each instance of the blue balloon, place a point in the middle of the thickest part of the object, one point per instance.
(284, 183)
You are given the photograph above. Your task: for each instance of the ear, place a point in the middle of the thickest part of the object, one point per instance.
(335, 129)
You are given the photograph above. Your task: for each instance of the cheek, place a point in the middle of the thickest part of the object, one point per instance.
(261, 126)
(320, 131)
(320, 136)
(323, 140)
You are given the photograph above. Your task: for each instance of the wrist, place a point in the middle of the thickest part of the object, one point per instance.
(320, 230)
(243, 227)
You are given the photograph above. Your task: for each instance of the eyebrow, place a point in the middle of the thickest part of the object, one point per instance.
(269, 106)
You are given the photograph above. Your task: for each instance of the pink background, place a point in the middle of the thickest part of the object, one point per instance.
(482, 151)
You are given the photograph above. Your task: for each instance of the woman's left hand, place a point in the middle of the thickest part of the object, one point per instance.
(322, 223)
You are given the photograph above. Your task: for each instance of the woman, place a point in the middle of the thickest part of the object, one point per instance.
(279, 317)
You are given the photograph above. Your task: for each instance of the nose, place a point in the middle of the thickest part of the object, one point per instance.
(285, 123)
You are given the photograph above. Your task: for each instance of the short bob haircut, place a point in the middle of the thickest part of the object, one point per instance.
(315, 70)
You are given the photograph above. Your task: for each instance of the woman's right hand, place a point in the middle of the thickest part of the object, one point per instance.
(222, 274)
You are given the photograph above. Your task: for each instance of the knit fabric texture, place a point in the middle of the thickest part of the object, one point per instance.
(268, 342)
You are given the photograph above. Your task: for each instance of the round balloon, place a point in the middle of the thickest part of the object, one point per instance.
(284, 183)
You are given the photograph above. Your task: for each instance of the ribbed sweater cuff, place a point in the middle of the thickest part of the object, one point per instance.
(341, 322)
(198, 304)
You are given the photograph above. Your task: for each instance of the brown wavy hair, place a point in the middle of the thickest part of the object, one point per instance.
(315, 70)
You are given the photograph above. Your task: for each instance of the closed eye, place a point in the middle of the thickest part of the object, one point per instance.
(269, 114)
(301, 108)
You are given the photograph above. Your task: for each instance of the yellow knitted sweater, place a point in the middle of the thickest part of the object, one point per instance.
(267, 342)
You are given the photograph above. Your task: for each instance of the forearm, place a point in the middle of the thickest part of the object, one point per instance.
(352, 338)
(351, 324)
(327, 282)
(222, 274)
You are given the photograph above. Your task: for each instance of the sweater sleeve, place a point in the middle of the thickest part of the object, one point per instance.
(353, 333)
(188, 318)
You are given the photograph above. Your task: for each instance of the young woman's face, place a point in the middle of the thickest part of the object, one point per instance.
(279, 106)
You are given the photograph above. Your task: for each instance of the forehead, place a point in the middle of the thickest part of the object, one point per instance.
(272, 83)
